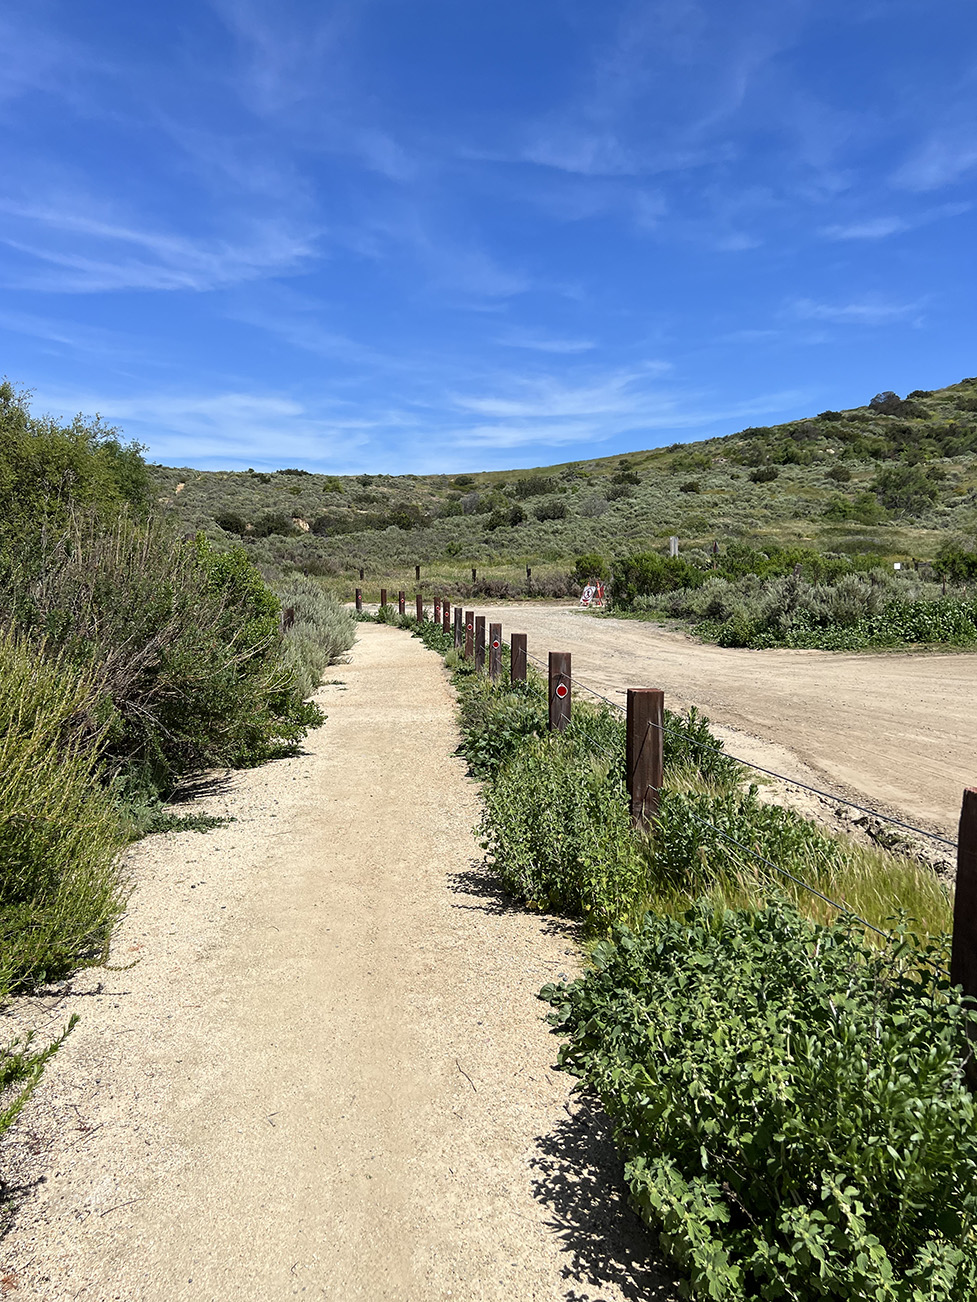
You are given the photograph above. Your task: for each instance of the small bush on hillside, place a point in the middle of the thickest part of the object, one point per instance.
(590, 566)
(553, 509)
(791, 1105)
(863, 509)
(274, 522)
(536, 486)
(763, 475)
(905, 488)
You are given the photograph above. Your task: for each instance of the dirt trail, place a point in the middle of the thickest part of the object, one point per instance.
(328, 1076)
(895, 731)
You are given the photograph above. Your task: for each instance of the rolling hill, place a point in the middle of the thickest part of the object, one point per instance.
(895, 477)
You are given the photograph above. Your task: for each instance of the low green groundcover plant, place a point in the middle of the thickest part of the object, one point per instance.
(791, 1104)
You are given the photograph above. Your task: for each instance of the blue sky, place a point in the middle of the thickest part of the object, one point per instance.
(419, 235)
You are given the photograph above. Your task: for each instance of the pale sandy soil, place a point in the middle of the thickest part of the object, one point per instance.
(328, 1075)
(894, 731)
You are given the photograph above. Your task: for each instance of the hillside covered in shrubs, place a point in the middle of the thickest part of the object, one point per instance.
(893, 478)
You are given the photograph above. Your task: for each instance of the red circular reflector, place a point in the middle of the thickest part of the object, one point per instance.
(561, 691)
(495, 645)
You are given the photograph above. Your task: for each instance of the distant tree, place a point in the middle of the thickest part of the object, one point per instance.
(886, 401)
(764, 474)
(552, 509)
(231, 522)
(274, 522)
(905, 488)
(840, 474)
(590, 566)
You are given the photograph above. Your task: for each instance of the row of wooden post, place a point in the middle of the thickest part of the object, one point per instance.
(644, 730)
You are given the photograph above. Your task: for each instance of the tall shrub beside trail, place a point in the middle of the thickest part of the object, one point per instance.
(321, 630)
(60, 890)
(48, 471)
(183, 642)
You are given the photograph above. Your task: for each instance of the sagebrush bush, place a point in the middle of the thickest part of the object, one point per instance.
(183, 641)
(320, 632)
(61, 888)
(791, 1105)
(856, 610)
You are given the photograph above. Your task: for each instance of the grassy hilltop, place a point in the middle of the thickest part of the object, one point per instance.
(895, 477)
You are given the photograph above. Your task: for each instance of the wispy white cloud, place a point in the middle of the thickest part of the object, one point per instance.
(872, 228)
(94, 253)
(545, 343)
(79, 337)
(880, 228)
(229, 428)
(867, 312)
(944, 159)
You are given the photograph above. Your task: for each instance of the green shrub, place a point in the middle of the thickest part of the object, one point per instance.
(182, 640)
(48, 471)
(553, 508)
(557, 831)
(790, 1103)
(590, 566)
(647, 572)
(60, 834)
(764, 475)
(320, 632)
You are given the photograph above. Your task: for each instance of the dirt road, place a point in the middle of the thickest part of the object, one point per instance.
(328, 1076)
(895, 731)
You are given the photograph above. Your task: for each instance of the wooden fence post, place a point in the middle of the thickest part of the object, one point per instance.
(383, 596)
(459, 629)
(446, 618)
(362, 574)
(469, 634)
(559, 690)
(644, 754)
(517, 658)
(417, 573)
(495, 652)
(963, 955)
(480, 642)
(419, 604)
(401, 603)
(359, 599)
(474, 575)
(437, 610)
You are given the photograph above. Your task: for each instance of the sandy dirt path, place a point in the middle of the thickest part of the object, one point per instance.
(895, 731)
(328, 1076)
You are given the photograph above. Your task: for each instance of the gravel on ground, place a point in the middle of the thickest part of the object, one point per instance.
(327, 1074)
